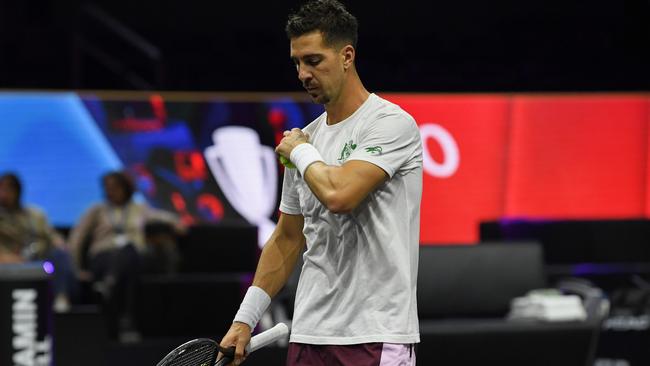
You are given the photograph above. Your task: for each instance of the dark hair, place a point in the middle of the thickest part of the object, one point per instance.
(328, 16)
(13, 181)
(124, 180)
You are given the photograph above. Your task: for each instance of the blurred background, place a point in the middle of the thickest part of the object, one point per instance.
(534, 117)
(406, 46)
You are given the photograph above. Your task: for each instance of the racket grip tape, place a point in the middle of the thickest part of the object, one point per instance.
(265, 338)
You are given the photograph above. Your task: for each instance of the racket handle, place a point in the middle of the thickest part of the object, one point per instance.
(265, 338)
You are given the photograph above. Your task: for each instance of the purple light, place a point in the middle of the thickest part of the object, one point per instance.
(48, 267)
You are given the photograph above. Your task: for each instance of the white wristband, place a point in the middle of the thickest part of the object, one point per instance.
(253, 306)
(304, 155)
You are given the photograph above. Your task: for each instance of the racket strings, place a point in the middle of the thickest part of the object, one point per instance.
(197, 355)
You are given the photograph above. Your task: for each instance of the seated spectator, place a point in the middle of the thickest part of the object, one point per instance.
(161, 254)
(107, 244)
(26, 235)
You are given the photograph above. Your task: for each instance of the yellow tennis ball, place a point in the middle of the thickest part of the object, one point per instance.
(287, 163)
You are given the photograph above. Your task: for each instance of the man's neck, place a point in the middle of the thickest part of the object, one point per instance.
(353, 95)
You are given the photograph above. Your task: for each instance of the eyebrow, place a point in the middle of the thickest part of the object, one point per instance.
(304, 57)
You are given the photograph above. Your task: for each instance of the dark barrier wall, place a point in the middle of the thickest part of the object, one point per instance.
(25, 316)
(404, 46)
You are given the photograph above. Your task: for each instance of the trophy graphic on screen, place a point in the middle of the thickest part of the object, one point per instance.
(246, 172)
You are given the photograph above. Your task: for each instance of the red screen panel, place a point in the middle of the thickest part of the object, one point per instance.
(577, 157)
(465, 145)
(647, 161)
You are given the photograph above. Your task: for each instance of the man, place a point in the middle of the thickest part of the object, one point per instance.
(114, 226)
(26, 235)
(354, 201)
(107, 244)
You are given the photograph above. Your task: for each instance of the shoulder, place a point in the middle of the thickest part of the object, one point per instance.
(35, 212)
(95, 209)
(387, 117)
(391, 114)
(385, 108)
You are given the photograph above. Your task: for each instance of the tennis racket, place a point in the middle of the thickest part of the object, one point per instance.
(204, 351)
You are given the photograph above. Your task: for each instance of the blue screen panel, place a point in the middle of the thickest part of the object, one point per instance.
(57, 149)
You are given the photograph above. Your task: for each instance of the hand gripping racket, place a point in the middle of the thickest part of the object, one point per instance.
(204, 351)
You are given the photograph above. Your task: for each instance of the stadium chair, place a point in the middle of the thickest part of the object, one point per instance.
(464, 295)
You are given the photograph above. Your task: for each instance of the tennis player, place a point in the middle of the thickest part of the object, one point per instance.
(353, 201)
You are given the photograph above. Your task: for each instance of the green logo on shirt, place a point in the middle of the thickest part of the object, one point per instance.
(347, 150)
(375, 150)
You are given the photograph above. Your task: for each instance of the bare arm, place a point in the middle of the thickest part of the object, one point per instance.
(276, 263)
(342, 188)
(280, 254)
(339, 188)
(155, 214)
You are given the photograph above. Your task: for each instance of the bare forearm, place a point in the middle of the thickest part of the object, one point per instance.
(276, 263)
(342, 188)
(339, 188)
(324, 182)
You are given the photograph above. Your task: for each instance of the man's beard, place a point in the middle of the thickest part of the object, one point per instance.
(320, 98)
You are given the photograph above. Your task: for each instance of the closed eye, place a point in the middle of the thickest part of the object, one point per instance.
(313, 61)
(309, 60)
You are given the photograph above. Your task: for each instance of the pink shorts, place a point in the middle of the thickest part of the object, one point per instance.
(367, 354)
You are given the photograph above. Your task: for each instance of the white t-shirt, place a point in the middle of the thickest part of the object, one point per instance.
(358, 281)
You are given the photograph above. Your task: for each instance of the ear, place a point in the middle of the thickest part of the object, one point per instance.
(347, 55)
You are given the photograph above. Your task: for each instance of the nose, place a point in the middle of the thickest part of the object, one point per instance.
(304, 75)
